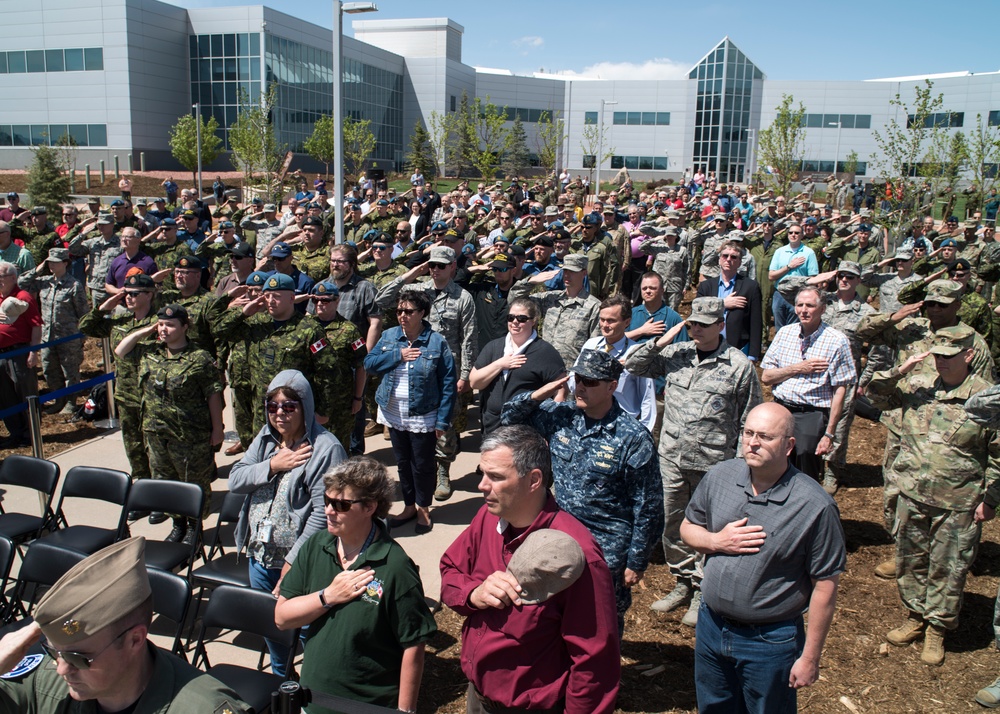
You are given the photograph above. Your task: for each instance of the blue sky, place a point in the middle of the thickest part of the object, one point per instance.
(799, 40)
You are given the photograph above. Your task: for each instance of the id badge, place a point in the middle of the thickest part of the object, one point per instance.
(265, 532)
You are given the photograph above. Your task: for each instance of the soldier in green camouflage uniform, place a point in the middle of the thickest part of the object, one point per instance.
(239, 373)
(38, 236)
(602, 263)
(181, 406)
(203, 307)
(214, 251)
(281, 338)
(164, 248)
(312, 254)
(944, 465)
(349, 352)
(104, 322)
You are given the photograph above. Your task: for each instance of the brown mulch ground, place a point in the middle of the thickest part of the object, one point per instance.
(858, 673)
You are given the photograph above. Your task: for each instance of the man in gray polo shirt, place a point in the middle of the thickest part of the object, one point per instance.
(783, 548)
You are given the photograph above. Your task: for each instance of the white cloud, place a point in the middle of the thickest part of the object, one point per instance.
(658, 68)
(529, 42)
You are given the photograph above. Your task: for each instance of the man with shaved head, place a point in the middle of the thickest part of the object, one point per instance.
(752, 651)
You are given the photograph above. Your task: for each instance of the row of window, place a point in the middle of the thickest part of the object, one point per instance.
(51, 134)
(527, 116)
(238, 45)
(647, 163)
(78, 59)
(847, 121)
(941, 120)
(826, 167)
(632, 118)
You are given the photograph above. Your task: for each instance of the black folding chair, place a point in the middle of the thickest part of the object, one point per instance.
(175, 498)
(251, 611)
(7, 551)
(221, 568)
(39, 475)
(43, 564)
(171, 599)
(98, 484)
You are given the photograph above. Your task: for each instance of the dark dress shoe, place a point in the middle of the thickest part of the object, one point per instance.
(422, 528)
(156, 518)
(397, 522)
(137, 515)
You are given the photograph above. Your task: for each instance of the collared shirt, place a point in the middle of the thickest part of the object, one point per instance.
(785, 254)
(120, 266)
(775, 583)
(790, 346)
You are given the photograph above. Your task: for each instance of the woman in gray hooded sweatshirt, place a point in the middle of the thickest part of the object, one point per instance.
(282, 477)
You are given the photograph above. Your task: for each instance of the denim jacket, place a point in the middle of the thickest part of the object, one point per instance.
(432, 377)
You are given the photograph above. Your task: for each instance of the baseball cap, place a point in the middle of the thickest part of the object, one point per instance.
(707, 310)
(950, 341)
(597, 364)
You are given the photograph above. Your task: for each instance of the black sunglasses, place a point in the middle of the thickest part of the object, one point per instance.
(406, 310)
(588, 381)
(288, 407)
(78, 660)
(341, 505)
(517, 318)
(324, 299)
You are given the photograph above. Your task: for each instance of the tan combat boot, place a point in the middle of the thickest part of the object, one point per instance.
(908, 632)
(933, 653)
(886, 570)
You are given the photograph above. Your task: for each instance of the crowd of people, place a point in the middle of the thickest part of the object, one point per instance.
(610, 423)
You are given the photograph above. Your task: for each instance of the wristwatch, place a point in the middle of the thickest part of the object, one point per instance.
(322, 601)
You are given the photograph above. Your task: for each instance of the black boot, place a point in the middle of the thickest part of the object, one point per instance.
(192, 532)
(179, 532)
(157, 517)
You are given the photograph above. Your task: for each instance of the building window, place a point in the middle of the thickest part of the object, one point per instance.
(454, 103)
(994, 118)
(589, 161)
(860, 170)
(642, 163)
(591, 117)
(941, 120)
(52, 134)
(830, 121)
(639, 118)
(991, 170)
(36, 61)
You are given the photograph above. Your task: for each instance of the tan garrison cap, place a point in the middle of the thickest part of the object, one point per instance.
(95, 593)
(546, 563)
(950, 341)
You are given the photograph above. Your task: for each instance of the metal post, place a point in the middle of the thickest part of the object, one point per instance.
(112, 421)
(118, 171)
(197, 129)
(142, 161)
(102, 171)
(72, 181)
(338, 121)
(35, 426)
(130, 169)
(600, 146)
(86, 168)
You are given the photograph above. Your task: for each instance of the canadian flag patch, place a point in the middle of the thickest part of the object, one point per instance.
(357, 344)
(317, 345)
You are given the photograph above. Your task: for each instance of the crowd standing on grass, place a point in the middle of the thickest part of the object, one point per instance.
(611, 423)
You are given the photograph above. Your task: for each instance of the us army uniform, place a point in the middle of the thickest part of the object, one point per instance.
(975, 311)
(569, 322)
(706, 401)
(176, 421)
(100, 253)
(62, 303)
(127, 396)
(944, 465)
(606, 476)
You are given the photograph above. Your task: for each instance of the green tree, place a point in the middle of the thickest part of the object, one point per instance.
(464, 129)
(516, 158)
(441, 132)
(184, 142)
(359, 145)
(487, 136)
(944, 161)
(321, 145)
(420, 157)
(983, 146)
(48, 183)
(551, 133)
(255, 148)
(594, 141)
(779, 146)
(851, 163)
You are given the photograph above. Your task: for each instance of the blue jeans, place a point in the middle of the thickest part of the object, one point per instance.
(744, 670)
(783, 311)
(266, 579)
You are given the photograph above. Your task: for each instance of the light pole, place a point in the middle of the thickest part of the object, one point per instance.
(197, 129)
(600, 146)
(339, 8)
(840, 125)
(751, 154)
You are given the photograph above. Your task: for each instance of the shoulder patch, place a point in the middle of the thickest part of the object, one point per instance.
(318, 345)
(26, 665)
(357, 344)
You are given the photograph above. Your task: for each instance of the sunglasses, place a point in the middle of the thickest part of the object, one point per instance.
(518, 318)
(341, 505)
(845, 276)
(406, 310)
(383, 247)
(134, 293)
(288, 407)
(78, 660)
(325, 299)
(588, 382)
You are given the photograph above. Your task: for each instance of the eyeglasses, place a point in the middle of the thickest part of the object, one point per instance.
(288, 407)
(959, 273)
(846, 276)
(518, 318)
(341, 505)
(794, 233)
(727, 256)
(382, 247)
(134, 293)
(501, 270)
(78, 660)
(439, 266)
(748, 435)
(406, 310)
(588, 382)
(324, 299)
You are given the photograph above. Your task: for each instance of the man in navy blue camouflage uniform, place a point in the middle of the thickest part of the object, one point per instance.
(604, 466)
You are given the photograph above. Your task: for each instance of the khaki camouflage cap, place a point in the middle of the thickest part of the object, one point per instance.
(546, 563)
(707, 310)
(951, 341)
(95, 593)
(944, 291)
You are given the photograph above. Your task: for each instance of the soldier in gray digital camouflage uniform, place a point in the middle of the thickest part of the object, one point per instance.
(671, 261)
(710, 388)
(100, 247)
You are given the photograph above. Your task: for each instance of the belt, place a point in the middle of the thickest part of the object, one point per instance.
(801, 408)
(753, 625)
(493, 707)
(11, 348)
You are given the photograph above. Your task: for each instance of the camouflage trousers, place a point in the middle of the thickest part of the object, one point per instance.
(132, 438)
(836, 460)
(685, 562)
(935, 548)
(61, 364)
(243, 412)
(673, 299)
(191, 461)
(341, 424)
(890, 482)
(447, 447)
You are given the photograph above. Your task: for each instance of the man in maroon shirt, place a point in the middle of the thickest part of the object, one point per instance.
(19, 327)
(560, 655)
